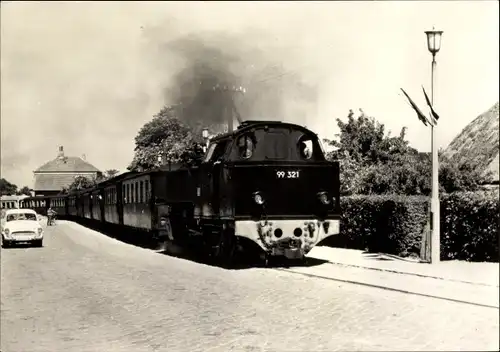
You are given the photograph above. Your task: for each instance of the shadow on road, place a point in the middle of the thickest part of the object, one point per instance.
(242, 261)
(20, 246)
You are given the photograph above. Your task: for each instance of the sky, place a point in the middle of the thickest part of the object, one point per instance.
(88, 75)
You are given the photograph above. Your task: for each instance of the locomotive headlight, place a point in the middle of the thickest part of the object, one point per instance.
(323, 198)
(257, 197)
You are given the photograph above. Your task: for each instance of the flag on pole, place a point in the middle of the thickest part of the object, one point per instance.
(420, 115)
(434, 114)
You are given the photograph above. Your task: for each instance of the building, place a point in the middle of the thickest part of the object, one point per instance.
(51, 177)
(478, 144)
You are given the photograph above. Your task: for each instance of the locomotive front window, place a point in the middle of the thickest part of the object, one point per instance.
(305, 148)
(246, 147)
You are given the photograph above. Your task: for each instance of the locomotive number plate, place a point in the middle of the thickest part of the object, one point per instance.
(287, 174)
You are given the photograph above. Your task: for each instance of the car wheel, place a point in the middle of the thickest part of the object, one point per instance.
(5, 244)
(38, 243)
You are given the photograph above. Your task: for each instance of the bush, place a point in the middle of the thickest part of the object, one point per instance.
(469, 226)
(395, 224)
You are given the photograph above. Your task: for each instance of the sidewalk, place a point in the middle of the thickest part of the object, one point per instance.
(484, 274)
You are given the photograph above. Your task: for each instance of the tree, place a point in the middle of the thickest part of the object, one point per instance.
(455, 177)
(80, 182)
(164, 139)
(106, 175)
(110, 173)
(374, 163)
(7, 188)
(25, 190)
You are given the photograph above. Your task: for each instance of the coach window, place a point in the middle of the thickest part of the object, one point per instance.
(146, 190)
(141, 191)
(246, 146)
(127, 194)
(137, 192)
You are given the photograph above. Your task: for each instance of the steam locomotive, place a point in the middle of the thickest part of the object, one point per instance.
(265, 186)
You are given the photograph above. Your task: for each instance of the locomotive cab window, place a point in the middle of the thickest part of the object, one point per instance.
(216, 151)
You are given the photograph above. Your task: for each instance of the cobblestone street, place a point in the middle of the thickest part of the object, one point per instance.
(86, 292)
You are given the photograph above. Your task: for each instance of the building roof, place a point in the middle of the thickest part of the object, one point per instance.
(478, 143)
(67, 164)
(53, 182)
(64, 163)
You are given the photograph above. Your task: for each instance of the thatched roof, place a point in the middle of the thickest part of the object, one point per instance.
(478, 143)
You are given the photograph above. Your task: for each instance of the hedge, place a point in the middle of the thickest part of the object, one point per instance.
(395, 224)
(469, 226)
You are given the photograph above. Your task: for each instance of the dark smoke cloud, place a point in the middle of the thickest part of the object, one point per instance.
(198, 62)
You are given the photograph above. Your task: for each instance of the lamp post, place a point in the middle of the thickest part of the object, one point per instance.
(204, 135)
(434, 44)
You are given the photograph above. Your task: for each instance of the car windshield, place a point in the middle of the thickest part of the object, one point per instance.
(21, 216)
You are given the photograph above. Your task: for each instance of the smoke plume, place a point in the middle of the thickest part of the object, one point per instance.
(196, 63)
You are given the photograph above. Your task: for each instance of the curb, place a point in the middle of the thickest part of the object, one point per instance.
(388, 288)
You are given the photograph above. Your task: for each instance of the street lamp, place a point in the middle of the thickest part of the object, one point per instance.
(204, 135)
(434, 44)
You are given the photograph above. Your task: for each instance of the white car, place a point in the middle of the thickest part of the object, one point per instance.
(21, 225)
